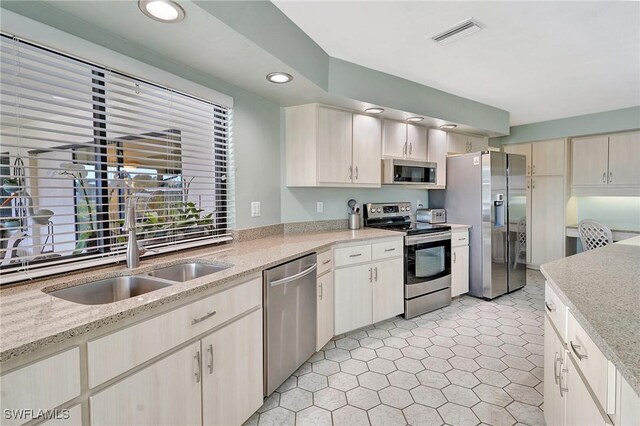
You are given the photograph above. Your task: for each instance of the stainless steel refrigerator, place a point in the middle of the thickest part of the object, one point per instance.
(488, 191)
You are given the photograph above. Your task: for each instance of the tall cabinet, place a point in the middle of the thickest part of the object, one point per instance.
(547, 194)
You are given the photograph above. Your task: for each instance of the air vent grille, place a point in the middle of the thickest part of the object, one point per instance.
(458, 31)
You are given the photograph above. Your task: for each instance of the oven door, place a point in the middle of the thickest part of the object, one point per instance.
(427, 263)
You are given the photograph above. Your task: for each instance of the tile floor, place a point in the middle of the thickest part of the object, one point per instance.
(469, 363)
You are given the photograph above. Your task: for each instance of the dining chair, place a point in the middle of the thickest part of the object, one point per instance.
(594, 234)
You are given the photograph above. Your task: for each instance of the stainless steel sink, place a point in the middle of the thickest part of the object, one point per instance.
(187, 271)
(109, 290)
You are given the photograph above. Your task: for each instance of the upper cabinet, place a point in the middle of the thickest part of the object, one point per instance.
(404, 140)
(332, 147)
(606, 165)
(461, 144)
(437, 153)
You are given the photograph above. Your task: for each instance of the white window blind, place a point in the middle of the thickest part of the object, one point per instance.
(78, 139)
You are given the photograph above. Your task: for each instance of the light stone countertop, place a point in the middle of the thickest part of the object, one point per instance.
(31, 319)
(602, 289)
(455, 226)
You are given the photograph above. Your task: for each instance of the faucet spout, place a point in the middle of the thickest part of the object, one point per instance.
(133, 251)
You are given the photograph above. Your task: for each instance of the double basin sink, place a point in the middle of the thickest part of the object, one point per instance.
(120, 288)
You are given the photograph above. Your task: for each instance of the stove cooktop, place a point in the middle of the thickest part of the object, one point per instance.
(411, 228)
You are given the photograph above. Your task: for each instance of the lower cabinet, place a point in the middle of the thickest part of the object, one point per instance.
(388, 289)
(353, 298)
(459, 262)
(325, 311)
(214, 381)
(554, 355)
(581, 409)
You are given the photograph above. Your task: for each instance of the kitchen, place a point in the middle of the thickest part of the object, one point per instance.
(287, 158)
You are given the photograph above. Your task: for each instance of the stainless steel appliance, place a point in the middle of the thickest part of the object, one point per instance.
(488, 191)
(427, 256)
(289, 319)
(408, 172)
(431, 215)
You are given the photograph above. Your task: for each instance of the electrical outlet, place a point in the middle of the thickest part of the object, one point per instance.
(255, 209)
(319, 207)
(419, 204)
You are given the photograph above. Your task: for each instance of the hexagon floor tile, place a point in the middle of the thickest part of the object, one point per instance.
(470, 362)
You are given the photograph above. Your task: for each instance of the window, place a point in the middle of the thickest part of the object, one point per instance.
(78, 139)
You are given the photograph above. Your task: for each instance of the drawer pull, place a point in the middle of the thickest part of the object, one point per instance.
(390, 249)
(202, 318)
(575, 348)
(556, 374)
(326, 261)
(355, 255)
(550, 308)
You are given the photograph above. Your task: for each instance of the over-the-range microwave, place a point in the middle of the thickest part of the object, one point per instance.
(407, 172)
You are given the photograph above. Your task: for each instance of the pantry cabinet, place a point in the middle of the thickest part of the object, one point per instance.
(331, 147)
(606, 164)
(368, 283)
(404, 140)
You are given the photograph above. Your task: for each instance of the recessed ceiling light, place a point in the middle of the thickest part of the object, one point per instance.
(448, 126)
(375, 110)
(415, 119)
(162, 10)
(279, 77)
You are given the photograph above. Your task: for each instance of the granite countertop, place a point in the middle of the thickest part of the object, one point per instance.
(602, 289)
(457, 225)
(31, 319)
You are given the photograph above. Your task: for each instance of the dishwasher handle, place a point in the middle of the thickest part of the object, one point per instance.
(294, 277)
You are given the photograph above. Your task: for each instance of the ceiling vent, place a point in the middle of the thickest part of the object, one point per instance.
(458, 31)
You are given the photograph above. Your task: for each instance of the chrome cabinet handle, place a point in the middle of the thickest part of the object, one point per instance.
(198, 372)
(326, 261)
(561, 387)
(404, 149)
(550, 308)
(610, 177)
(355, 255)
(410, 149)
(575, 348)
(528, 169)
(533, 169)
(391, 249)
(350, 172)
(202, 318)
(454, 257)
(528, 184)
(210, 365)
(376, 277)
(604, 177)
(370, 275)
(321, 291)
(556, 374)
(356, 172)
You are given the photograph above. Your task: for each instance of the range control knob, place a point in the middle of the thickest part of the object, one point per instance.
(372, 210)
(379, 210)
(401, 209)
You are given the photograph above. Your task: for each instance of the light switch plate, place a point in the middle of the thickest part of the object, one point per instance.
(319, 207)
(255, 209)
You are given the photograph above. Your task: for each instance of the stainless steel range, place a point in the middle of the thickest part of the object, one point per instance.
(427, 256)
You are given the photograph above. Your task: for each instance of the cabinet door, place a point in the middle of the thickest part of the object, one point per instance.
(437, 153)
(456, 143)
(520, 149)
(325, 311)
(553, 363)
(589, 165)
(459, 270)
(367, 149)
(352, 288)
(334, 146)
(477, 143)
(394, 138)
(232, 381)
(547, 219)
(168, 392)
(624, 159)
(548, 158)
(417, 142)
(581, 409)
(388, 291)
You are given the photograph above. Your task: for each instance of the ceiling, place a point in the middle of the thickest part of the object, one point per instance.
(538, 60)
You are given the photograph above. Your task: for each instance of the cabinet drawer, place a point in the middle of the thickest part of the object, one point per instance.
(352, 255)
(118, 352)
(387, 249)
(460, 238)
(556, 310)
(589, 359)
(41, 386)
(325, 262)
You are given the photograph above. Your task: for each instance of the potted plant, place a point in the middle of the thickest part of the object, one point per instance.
(11, 185)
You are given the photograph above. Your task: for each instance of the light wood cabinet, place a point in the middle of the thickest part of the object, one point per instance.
(353, 298)
(580, 408)
(437, 153)
(461, 144)
(232, 379)
(520, 149)
(325, 302)
(331, 147)
(388, 289)
(554, 357)
(547, 219)
(547, 158)
(459, 270)
(404, 140)
(168, 392)
(606, 164)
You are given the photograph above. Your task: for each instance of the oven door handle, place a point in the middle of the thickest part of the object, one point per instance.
(428, 238)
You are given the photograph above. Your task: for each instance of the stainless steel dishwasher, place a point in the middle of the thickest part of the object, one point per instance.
(289, 319)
